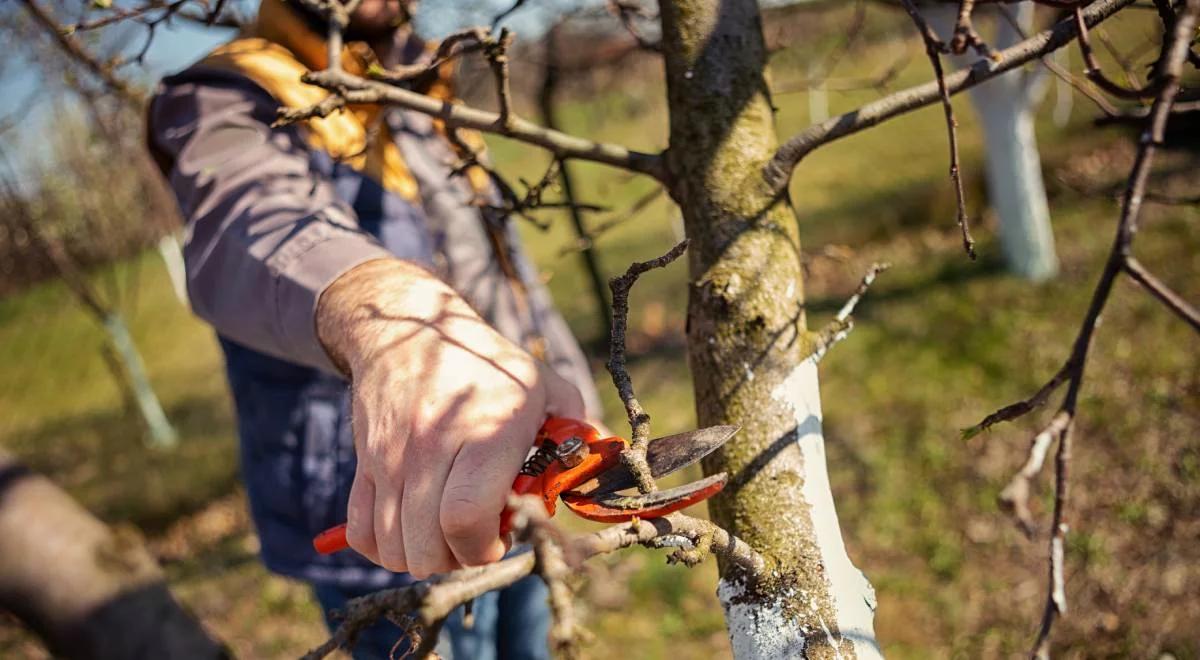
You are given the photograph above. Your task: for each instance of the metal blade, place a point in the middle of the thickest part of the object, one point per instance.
(657, 499)
(665, 455)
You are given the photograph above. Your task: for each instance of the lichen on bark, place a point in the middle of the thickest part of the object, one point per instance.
(747, 336)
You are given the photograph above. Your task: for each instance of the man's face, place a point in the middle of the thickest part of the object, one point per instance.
(378, 18)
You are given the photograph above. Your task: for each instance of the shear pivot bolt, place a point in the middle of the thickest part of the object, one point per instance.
(572, 451)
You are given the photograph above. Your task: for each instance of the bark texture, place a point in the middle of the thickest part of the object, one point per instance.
(749, 348)
(85, 589)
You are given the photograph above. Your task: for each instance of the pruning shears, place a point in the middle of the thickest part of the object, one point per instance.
(570, 460)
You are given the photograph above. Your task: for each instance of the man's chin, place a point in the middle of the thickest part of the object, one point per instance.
(375, 20)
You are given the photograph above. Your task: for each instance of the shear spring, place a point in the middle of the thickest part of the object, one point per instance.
(542, 458)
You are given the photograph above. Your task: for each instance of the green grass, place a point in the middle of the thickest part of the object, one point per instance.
(65, 415)
(940, 341)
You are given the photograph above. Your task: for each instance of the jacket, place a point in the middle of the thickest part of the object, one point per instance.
(275, 214)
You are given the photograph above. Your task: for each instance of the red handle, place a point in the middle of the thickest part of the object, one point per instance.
(331, 540)
(555, 428)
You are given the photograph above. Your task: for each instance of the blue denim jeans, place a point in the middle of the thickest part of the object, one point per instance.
(510, 624)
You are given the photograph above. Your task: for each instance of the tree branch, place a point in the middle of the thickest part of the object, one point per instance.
(1095, 73)
(435, 598)
(934, 48)
(1160, 290)
(777, 172)
(841, 325)
(562, 145)
(74, 50)
(1120, 260)
(639, 421)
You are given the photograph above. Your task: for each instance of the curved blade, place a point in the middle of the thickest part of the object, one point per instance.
(615, 507)
(665, 455)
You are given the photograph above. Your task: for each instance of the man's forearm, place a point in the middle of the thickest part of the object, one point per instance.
(266, 232)
(379, 302)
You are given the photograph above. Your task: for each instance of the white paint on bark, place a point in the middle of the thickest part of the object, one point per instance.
(854, 598)
(763, 630)
(758, 629)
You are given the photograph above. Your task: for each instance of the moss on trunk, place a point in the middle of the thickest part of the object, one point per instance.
(746, 324)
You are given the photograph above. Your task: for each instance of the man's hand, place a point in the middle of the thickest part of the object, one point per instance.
(445, 410)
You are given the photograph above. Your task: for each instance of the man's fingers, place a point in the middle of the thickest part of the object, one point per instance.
(425, 547)
(360, 516)
(389, 537)
(476, 492)
(562, 398)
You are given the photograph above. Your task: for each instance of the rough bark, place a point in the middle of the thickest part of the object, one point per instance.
(88, 591)
(749, 349)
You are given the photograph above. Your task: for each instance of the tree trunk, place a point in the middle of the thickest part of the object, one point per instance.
(172, 255)
(86, 590)
(749, 349)
(162, 434)
(1013, 165)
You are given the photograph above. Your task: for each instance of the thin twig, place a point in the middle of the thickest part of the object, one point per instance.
(517, 4)
(1081, 86)
(68, 44)
(455, 45)
(327, 106)
(1160, 290)
(457, 115)
(496, 53)
(964, 32)
(1056, 596)
(934, 49)
(1120, 260)
(778, 171)
(1015, 496)
(841, 325)
(639, 420)
(120, 14)
(1095, 73)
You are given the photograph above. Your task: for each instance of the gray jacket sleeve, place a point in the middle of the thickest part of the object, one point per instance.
(266, 234)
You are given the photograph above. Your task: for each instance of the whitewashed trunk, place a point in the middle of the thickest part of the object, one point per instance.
(1005, 106)
(748, 347)
(761, 630)
(161, 434)
(172, 255)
